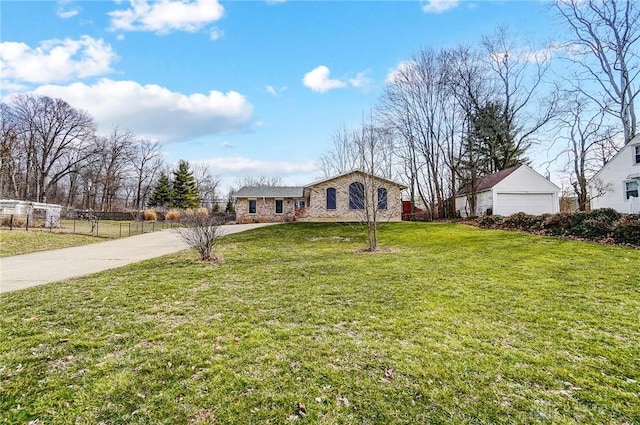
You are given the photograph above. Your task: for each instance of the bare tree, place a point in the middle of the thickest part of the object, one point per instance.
(342, 156)
(115, 151)
(201, 231)
(146, 161)
(604, 49)
(587, 138)
(517, 72)
(419, 108)
(261, 181)
(207, 183)
(10, 154)
(56, 139)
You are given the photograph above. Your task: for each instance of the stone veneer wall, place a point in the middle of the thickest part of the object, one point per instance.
(265, 213)
(317, 208)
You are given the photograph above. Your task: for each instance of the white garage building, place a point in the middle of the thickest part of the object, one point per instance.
(515, 189)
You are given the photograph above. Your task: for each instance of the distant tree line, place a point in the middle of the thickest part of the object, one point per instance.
(51, 152)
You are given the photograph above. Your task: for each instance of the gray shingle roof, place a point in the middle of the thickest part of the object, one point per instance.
(270, 192)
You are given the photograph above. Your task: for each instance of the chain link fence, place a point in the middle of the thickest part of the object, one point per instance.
(90, 224)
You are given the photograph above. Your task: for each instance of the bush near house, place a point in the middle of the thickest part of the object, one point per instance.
(605, 225)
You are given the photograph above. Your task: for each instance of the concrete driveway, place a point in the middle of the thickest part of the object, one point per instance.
(38, 268)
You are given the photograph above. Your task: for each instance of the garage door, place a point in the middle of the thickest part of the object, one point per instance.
(530, 203)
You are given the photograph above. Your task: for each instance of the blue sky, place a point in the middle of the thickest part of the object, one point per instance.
(249, 87)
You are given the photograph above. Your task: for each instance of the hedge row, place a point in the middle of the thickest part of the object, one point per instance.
(603, 224)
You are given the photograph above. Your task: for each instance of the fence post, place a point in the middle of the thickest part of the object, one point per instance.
(27, 225)
(142, 232)
(11, 222)
(97, 227)
(74, 225)
(129, 228)
(120, 229)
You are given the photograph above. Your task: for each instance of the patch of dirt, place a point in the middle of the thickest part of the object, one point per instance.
(380, 250)
(204, 416)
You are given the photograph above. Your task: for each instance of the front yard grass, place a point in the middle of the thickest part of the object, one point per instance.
(452, 324)
(16, 242)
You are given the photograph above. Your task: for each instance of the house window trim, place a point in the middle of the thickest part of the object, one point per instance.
(335, 199)
(626, 191)
(382, 206)
(255, 200)
(275, 206)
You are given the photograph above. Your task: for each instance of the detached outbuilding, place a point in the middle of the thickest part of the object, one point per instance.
(513, 190)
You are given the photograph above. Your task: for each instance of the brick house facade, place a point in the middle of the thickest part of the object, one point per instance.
(340, 198)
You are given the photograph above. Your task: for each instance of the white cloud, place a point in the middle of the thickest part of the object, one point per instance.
(402, 68)
(156, 112)
(271, 90)
(227, 145)
(216, 34)
(65, 11)
(319, 80)
(361, 81)
(164, 16)
(439, 6)
(55, 60)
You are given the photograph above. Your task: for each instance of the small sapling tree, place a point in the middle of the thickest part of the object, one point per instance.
(201, 231)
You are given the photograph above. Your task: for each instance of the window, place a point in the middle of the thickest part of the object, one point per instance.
(631, 189)
(279, 204)
(382, 198)
(331, 198)
(252, 206)
(300, 205)
(637, 154)
(356, 196)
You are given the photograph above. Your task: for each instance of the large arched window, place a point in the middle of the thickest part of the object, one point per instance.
(382, 198)
(331, 198)
(356, 196)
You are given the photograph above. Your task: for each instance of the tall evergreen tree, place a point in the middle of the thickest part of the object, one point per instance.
(495, 139)
(162, 193)
(185, 188)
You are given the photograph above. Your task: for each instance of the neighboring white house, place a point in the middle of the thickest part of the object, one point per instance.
(515, 189)
(616, 185)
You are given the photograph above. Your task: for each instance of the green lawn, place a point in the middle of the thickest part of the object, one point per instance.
(452, 324)
(16, 242)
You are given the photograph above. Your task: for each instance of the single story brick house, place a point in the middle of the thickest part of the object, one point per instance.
(338, 198)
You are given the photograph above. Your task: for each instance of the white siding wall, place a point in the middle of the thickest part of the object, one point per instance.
(613, 176)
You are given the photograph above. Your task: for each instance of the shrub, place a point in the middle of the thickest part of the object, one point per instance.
(522, 221)
(627, 230)
(608, 214)
(172, 215)
(17, 221)
(489, 221)
(562, 223)
(593, 228)
(150, 215)
(201, 232)
(202, 212)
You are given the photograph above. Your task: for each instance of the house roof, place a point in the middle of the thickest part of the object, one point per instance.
(487, 182)
(270, 192)
(400, 185)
